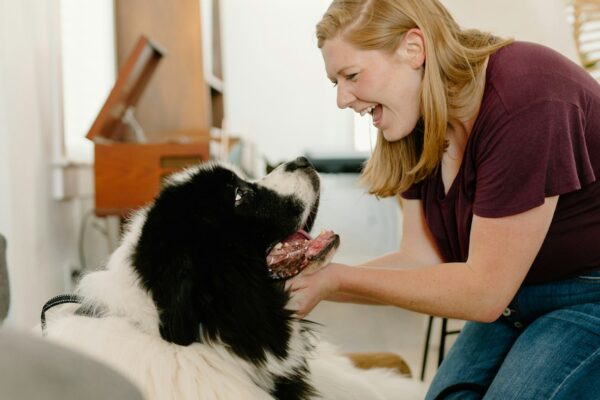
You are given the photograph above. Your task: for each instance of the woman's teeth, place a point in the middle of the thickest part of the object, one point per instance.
(367, 110)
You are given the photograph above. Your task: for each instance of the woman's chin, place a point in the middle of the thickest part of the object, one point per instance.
(393, 135)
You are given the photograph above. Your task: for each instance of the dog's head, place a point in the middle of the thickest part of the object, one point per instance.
(202, 254)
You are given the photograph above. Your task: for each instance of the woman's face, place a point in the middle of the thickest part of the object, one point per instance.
(386, 85)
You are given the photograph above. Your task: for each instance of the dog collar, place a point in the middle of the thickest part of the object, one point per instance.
(55, 301)
(73, 298)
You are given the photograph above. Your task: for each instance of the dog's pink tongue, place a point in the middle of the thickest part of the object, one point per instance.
(298, 235)
(299, 250)
(290, 251)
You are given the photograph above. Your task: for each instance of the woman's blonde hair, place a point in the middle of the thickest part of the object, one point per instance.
(454, 58)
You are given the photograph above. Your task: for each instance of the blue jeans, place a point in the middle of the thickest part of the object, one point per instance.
(545, 346)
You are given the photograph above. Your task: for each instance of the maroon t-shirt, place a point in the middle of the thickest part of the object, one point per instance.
(537, 135)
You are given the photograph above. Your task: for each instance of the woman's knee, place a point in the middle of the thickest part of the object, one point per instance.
(472, 361)
(552, 355)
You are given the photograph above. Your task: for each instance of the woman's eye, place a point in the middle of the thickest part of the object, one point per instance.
(351, 77)
(334, 84)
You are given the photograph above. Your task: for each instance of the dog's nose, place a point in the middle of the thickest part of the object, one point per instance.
(300, 162)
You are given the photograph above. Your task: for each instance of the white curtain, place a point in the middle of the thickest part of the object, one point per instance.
(41, 232)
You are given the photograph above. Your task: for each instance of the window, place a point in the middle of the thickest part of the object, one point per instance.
(88, 69)
(584, 16)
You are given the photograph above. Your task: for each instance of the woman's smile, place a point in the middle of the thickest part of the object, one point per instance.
(384, 84)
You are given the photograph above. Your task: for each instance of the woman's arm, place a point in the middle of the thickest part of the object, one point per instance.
(417, 249)
(500, 254)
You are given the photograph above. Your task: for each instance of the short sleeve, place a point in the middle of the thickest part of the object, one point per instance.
(537, 152)
(413, 192)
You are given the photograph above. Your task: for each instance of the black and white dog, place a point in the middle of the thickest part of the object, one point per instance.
(188, 308)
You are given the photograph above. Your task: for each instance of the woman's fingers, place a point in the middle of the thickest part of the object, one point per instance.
(307, 290)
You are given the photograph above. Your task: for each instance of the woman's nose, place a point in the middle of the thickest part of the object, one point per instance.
(344, 97)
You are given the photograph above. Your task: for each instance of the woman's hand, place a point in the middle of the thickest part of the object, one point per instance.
(307, 290)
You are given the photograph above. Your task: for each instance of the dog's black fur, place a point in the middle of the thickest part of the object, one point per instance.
(187, 307)
(202, 257)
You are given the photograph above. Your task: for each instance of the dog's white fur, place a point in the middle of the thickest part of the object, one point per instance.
(127, 338)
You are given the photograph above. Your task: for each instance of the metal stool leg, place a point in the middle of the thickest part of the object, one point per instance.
(443, 335)
(444, 332)
(426, 350)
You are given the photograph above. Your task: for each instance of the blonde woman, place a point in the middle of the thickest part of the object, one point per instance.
(493, 147)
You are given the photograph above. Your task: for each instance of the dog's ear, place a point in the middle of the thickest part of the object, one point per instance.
(178, 320)
(178, 299)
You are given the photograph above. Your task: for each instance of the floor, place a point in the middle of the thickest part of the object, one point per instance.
(356, 328)
(369, 227)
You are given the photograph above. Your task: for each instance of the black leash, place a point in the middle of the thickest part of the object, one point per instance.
(55, 301)
(73, 298)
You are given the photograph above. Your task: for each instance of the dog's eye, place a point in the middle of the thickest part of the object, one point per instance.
(239, 195)
(242, 194)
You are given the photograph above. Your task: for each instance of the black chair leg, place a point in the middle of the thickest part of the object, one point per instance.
(443, 334)
(426, 350)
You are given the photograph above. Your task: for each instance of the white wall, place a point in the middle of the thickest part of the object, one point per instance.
(540, 21)
(276, 90)
(277, 93)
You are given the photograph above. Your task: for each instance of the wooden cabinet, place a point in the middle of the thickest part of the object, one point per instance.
(213, 65)
(177, 104)
(129, 175)
(182, 94)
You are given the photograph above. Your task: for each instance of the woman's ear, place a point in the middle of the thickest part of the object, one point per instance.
(412, 48)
